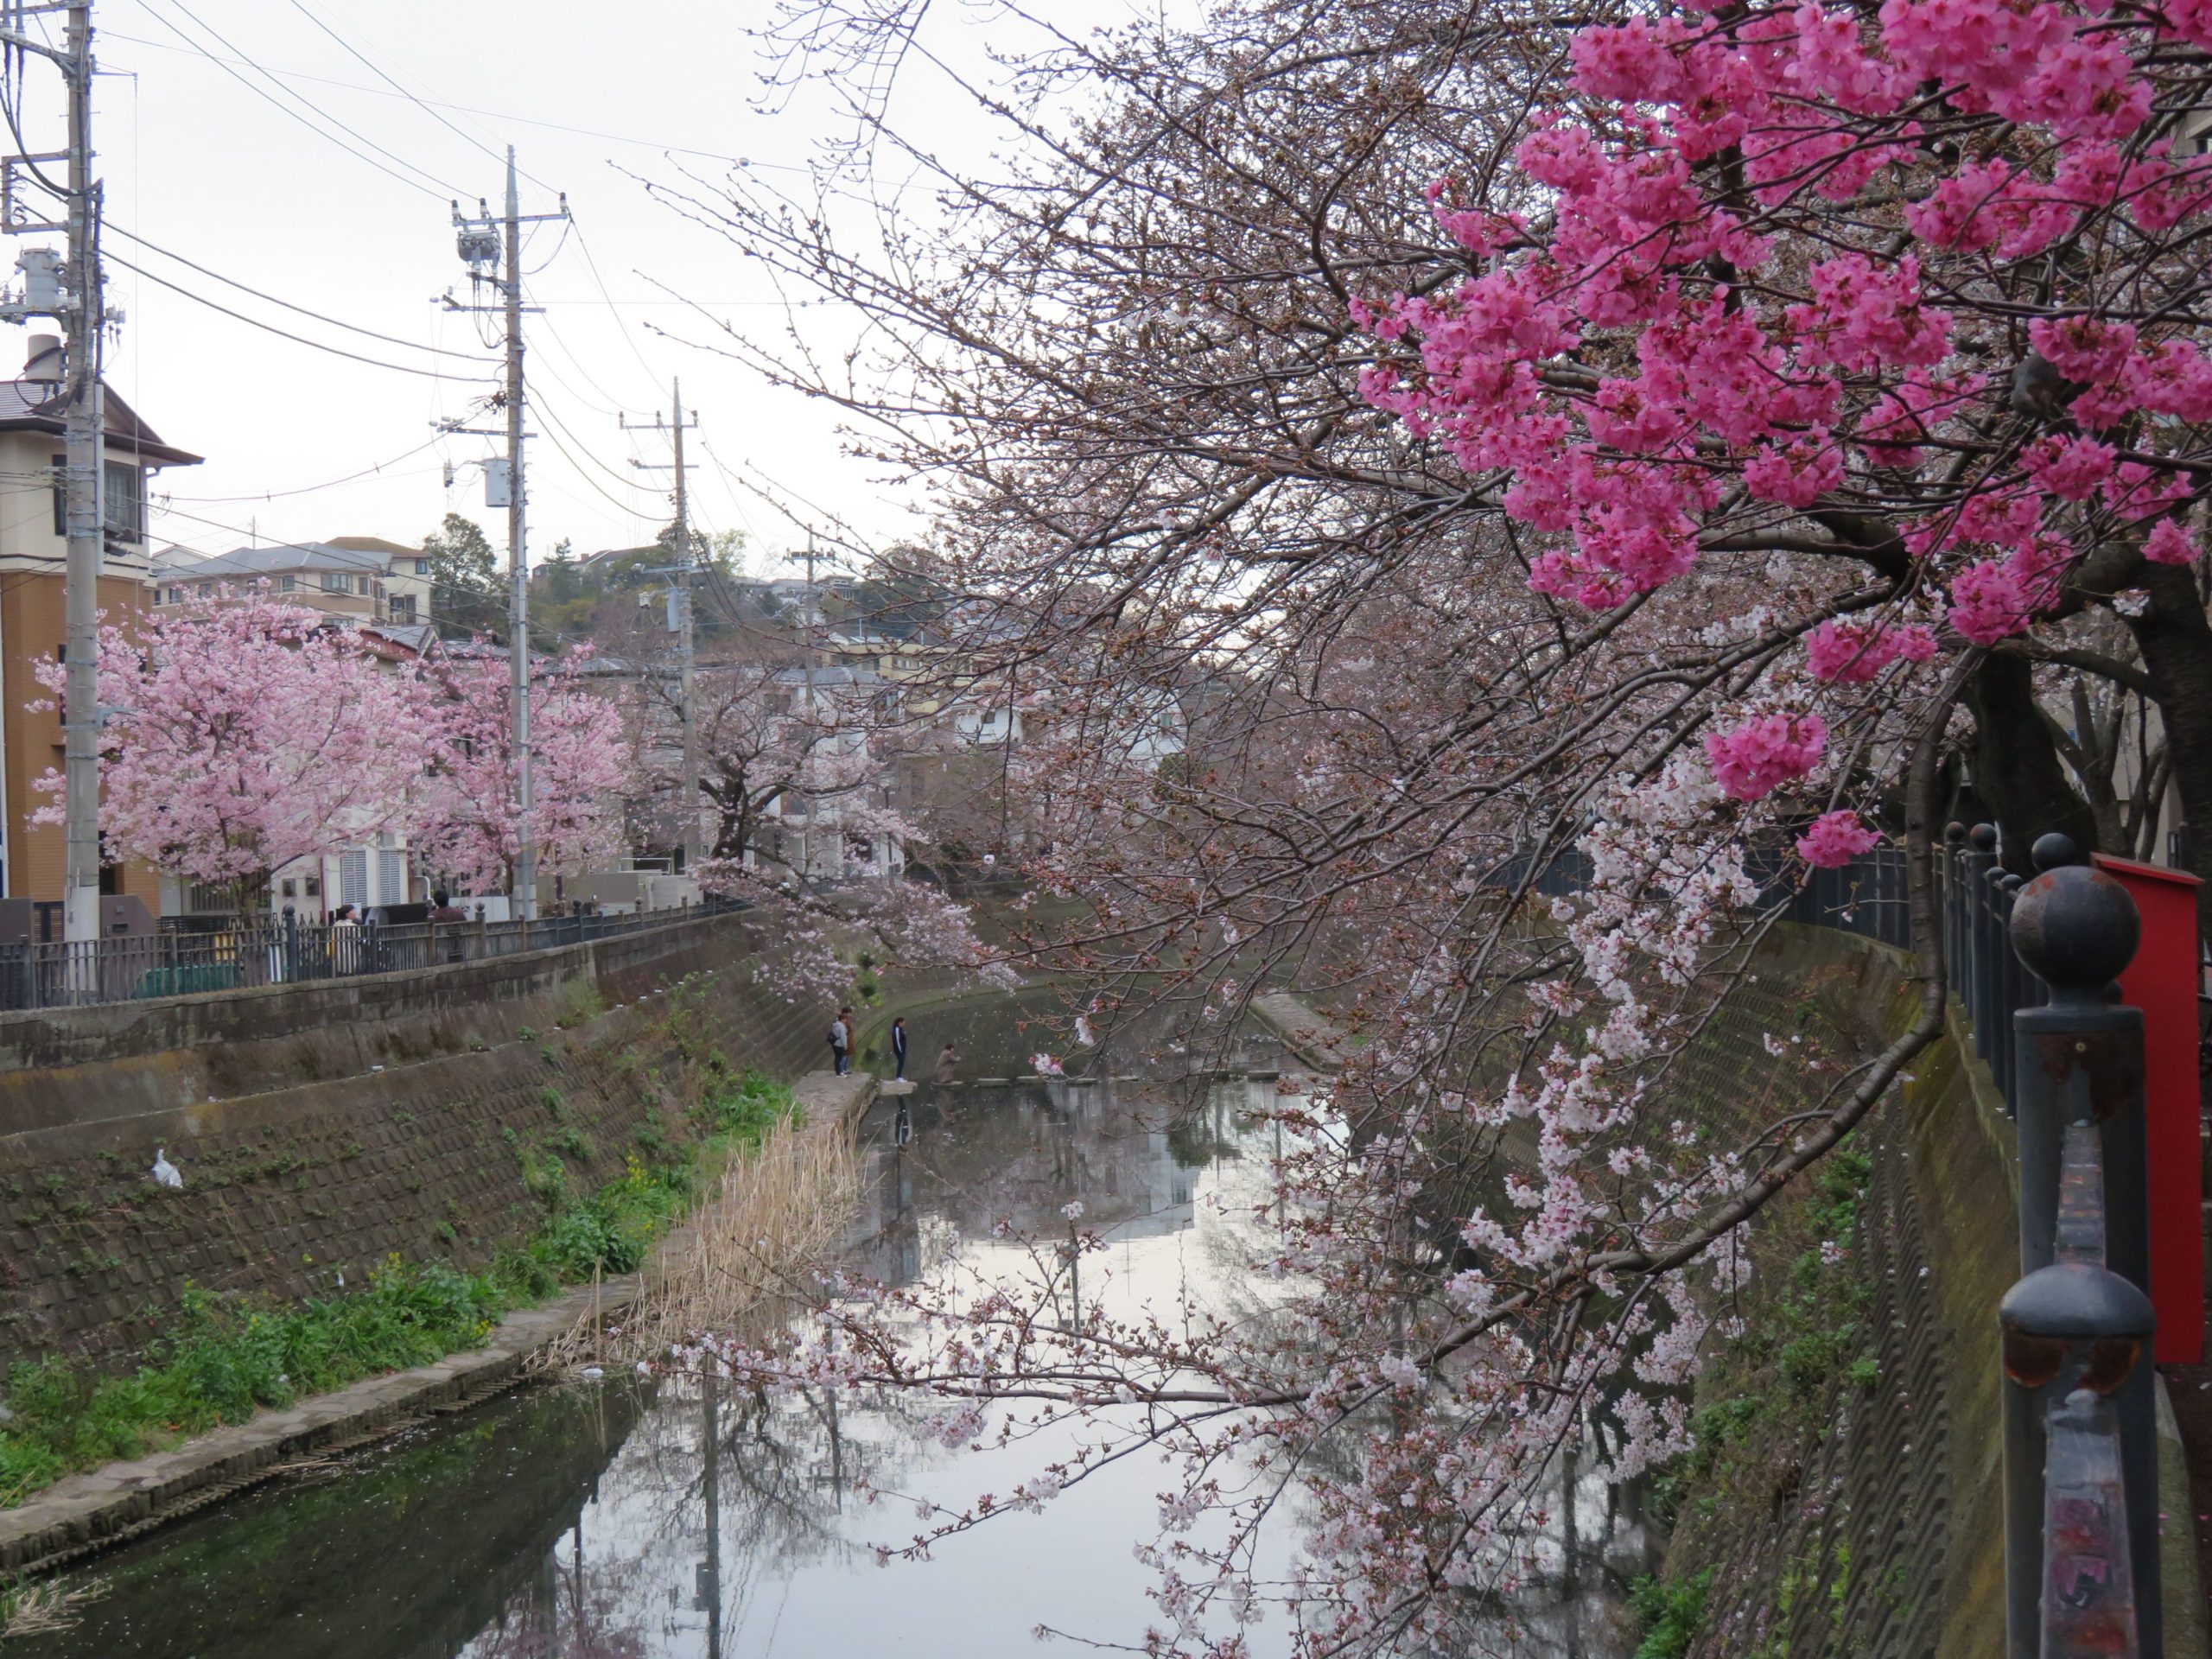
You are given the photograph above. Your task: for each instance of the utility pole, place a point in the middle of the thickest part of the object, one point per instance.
(85, 459)
(69, 288)
(482, 241)
(687, 794)
(813, 613)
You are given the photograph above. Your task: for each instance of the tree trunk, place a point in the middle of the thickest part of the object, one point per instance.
(2017, 770)
(2176, 641)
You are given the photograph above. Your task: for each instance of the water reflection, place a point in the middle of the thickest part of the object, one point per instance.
(694, 1520)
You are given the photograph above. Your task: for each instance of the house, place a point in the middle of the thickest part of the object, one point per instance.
(833, 825)
(406, 576)
(345, 583)
(34, 553)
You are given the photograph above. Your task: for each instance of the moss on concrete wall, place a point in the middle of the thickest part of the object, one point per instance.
(289, 1187)
(1847, 1495)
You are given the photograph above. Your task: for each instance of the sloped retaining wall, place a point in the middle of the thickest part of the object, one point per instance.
(104, 1507)
(289, 1186)
(1881, 1528)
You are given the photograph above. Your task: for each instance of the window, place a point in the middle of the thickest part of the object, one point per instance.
(403, 608)
(361, 586)
(312, 886)
(337, 582)
(291, 887)
(285, 584)
(421, 567)
(353, 878)
(125, 505)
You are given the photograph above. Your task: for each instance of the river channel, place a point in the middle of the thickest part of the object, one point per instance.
(622, 1520)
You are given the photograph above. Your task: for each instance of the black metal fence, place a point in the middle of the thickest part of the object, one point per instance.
(284, 951)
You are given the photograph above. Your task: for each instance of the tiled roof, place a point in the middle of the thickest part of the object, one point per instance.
(36, 406)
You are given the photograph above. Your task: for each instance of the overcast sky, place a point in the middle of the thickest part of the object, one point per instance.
(200, 161)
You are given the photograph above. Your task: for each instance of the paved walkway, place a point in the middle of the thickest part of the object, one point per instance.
(1318, 1040)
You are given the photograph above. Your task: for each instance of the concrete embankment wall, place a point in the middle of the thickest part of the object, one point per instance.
(320, 1129)
(1865, 1515)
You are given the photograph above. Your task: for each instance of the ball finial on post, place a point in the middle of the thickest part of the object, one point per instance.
(2055, 851)
(1982, 837)
(2077, 927)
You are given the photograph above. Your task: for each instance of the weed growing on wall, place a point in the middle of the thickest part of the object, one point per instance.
(223, 1357)
(226, 1357)
(1669, 1615)
(1770, 1393)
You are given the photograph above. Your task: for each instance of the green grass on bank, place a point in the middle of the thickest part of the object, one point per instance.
(223, 1357)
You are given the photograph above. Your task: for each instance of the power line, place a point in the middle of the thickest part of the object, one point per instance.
(286, 334)
(335, 323)
(310, 489)
(619, 478)
(555, 428)
(442, 193)
(600, 283)
(433, 104)
(378, 70)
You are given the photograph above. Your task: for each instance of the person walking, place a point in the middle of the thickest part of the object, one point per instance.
(840, 1043)
(344, 940)
(898, 1049)
(444, 913)
(948, 1064)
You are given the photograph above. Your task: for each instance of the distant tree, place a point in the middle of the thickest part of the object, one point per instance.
(466, 821)
(468, 591)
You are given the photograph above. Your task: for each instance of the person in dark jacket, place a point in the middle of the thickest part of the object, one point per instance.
(898, 1048)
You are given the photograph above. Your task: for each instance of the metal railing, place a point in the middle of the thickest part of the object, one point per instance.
(284, 950)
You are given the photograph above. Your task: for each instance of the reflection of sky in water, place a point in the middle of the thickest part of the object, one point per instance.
(572, 1524)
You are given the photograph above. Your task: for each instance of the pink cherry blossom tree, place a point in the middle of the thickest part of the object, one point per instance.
(240, 734)
(465, 820)
(1691, 439)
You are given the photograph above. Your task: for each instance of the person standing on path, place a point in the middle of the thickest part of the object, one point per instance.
(840, 1042)
(948, 1064)
(898, 1049)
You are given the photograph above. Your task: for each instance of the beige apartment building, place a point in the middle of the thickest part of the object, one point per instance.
(33, 551)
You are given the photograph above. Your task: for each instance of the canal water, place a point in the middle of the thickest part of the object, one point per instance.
(621, 1520)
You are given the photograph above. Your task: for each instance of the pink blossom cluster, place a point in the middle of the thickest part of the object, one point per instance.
(1834, 839)
(1854, 653)
(1698, 377)
(1755, 759)
(255, 733)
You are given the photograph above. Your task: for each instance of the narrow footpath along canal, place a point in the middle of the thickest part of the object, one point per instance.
(675, 1520)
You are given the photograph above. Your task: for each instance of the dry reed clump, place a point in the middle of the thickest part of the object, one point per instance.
(739, 1263)
(43, 1607)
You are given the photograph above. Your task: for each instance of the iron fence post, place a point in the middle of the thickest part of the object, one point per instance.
(1955, 851)
(1982, 945)
(2079, 1060)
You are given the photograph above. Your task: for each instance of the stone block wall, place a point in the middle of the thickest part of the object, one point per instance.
(291, 1185)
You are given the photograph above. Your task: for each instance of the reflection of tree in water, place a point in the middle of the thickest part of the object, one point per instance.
(748, 1489)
